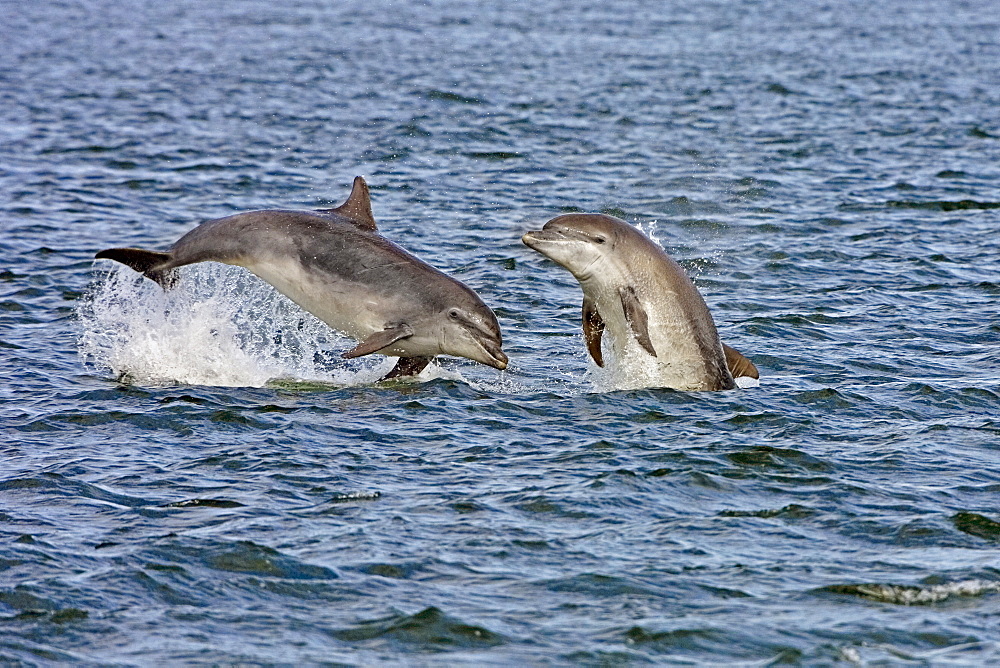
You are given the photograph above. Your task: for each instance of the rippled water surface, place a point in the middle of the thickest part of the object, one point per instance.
(197, 477)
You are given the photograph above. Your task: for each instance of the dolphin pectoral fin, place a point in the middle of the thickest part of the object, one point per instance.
(407, 366)
(143, 261)
(358, 207)
(738, 364)
(637, 319)
(593, 329)
(379, 340)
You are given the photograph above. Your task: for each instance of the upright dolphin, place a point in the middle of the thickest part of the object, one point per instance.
(334, 264)
(635, 291)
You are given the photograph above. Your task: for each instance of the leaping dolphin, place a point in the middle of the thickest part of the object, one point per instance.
(644, 299)
(334, 264)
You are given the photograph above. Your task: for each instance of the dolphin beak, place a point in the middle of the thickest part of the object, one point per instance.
(498, 360)
(530, 239)
(536, 238)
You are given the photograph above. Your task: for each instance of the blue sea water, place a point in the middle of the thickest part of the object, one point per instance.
(198, 478)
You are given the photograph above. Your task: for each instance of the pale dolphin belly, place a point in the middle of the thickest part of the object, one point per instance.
(680, 360)
(347, 308)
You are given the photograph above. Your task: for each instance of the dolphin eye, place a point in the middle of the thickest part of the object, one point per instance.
(599, 239)
(454, 314)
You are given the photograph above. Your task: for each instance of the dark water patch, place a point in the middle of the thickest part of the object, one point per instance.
(978, 132)
(142, 421)
(242, 557)
(413, 129)
(229, 417)
(676, 640)
(494, 156)
(402, 571)
(22, 600)
(904, 530)
(203, 503)
(792, 511)
(605, 658)
(542, 505)
(598, 586)
(943, 205)
(54, 483)
(977, 525)
(469, 506)
(692, 644)
(140, 184)
(428, 630)
(204, 167)
(779, 459)
(785, 325)
(989, 287)
(68, 615)
(625, 479)
(825, 398)
(121, 164)
(779, 89)
(9, 563)
(168, 584)
(447, 96)
(653, 417)
(724, 593)
(763, 418)
(93, 148)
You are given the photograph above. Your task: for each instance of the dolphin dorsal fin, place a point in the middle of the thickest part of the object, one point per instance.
(358, 207)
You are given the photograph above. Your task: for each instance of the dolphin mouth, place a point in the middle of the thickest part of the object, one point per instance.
(496, 357)
(535, 237)
(489, 341)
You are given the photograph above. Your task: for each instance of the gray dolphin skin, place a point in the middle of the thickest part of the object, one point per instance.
(334, 264)
(636, 292)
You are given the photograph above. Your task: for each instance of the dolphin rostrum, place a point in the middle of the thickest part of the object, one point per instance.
(334, 264)
(644, 299)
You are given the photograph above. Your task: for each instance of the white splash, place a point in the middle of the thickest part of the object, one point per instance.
(627, 370)
(649, 228)
(219, 326)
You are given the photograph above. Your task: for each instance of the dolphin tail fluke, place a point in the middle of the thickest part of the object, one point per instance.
(143, 261)
(738, 364)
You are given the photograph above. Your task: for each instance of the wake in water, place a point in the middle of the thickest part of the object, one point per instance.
(219, 326)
